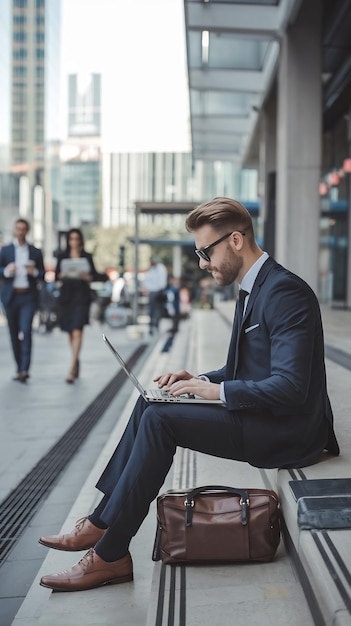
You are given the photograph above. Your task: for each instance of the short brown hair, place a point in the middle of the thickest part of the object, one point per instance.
(222, 214)
(21, 220)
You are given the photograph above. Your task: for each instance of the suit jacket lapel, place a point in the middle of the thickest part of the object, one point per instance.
(30, 252)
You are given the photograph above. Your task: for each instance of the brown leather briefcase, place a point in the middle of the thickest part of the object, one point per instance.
(217, 524)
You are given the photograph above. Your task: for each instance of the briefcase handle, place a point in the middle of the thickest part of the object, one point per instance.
(189, 501)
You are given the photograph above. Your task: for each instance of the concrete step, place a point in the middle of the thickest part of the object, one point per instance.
(323, 557)
(252, 593)
(308, 582)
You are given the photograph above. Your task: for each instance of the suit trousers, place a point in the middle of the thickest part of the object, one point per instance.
(20, 312)
(140, 463)
(155, 308)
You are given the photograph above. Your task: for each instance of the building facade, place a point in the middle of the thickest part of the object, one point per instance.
(8, 187)
(166, 177)
(81, 152)
(30, 44)
(270, 88)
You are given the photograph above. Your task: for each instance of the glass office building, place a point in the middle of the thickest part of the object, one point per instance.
(81, 152)
(29, 120)
(8, 188)
(167, 177)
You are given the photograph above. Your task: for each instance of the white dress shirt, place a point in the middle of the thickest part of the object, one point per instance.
(20, 280)
(155, 279)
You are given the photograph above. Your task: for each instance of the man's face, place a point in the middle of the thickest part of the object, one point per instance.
(225, 264)
(21, 231)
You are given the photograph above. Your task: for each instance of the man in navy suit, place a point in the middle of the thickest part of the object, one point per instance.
(276, 413)
(21, 266)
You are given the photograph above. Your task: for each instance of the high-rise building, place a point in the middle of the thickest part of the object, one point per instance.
(81, 152)
(8, 188)
(29, 87)
(84, 105)
(35, 80)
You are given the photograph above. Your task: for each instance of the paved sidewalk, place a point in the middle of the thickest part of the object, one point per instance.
(36, 415)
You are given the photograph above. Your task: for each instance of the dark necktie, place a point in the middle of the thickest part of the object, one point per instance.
(232, 354)
(242, 296)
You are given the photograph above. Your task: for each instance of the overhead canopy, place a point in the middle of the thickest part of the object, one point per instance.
(159, 208)
(164, 242)
(232, 56)
(232, 51)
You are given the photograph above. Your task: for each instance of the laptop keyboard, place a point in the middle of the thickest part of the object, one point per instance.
(159, 393)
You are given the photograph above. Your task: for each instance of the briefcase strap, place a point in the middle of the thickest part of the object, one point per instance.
(191, 495)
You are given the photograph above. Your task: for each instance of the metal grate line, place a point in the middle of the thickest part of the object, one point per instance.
(21, 504)
(338, 356)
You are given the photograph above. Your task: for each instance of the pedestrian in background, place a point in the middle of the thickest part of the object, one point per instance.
(75, 294)
(154, 284)
(21, 267)
(173, 302)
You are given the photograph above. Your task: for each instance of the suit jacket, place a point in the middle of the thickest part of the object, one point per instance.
(275, 377)
(7, 255)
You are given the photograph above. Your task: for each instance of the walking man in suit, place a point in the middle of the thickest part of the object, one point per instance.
(154, 284)
(276, 413)
(21, 266)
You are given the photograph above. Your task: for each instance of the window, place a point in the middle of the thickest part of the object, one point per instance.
(20, 71)
(20, 36)
(20, 53)
(19, 19)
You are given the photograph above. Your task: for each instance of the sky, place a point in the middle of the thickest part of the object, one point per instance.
(139, 48)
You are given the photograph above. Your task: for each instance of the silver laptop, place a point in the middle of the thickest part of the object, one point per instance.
(156, 395)
(71, 268)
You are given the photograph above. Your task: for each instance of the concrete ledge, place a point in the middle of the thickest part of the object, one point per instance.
(263, 593)
(322, 557)
(253, 593)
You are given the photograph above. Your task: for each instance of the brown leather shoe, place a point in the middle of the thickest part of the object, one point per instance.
(90, 572)
(85, 535)
(22, 377)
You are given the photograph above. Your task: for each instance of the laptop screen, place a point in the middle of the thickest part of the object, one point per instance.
(124, 365)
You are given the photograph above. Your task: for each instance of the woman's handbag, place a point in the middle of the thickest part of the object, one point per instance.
(214, 524)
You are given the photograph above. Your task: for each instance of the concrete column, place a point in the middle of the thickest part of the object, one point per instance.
(38, 216)
(48, 246)
(177, 261)
(106, 213)
(268, 159)
(348, 272)
(299, 144)
(136, 267)
(24, 197)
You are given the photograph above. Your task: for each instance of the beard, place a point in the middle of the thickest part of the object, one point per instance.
(227, 272)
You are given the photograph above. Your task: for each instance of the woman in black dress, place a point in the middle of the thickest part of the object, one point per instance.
(75, 295)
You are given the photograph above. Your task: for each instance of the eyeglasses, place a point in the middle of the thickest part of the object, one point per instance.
(203, 253)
